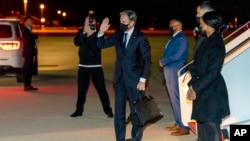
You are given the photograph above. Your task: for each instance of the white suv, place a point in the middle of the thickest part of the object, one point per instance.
(11, 46)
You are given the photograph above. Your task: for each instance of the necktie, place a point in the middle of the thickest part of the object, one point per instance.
(124, 41)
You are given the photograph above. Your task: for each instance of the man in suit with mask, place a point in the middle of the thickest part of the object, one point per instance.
(174, 57)
(132, 67)
(201, 9)
(30, 41)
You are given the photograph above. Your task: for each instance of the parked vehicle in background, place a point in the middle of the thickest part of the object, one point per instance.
(11, 46)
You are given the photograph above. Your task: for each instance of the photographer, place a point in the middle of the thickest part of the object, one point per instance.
(90, 67)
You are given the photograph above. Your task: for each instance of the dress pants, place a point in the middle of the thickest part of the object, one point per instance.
(209, 131)
(84, 76)
(122, 92)
(28, 70)
(173, 91)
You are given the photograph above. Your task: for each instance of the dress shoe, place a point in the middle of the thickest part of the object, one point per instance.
(30, 88)
(180, 132)
(110, 115)
(76, 114)
(172, 128)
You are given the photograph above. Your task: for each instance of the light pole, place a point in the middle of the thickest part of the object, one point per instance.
(25, 7)
(64, 14)
(42, 17)
(42, 7)
(59, 12)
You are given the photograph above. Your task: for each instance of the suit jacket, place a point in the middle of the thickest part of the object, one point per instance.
(30, 52)
(211, 101)
(135, 61)
(29, 43)
(174, 56)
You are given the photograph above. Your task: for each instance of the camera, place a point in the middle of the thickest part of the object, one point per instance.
(91, 20)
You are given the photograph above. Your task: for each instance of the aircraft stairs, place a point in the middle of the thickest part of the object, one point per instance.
(235, 71)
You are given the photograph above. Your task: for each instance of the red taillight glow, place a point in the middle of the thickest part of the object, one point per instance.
(10, 45)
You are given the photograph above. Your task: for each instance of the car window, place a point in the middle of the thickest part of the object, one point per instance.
(5, 31)
(18, 34)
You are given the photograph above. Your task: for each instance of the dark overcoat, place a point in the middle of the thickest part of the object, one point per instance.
(211, 101)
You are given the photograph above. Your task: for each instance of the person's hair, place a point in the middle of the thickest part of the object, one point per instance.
(207, 5)
(178, 19)
(26, 18)
(131, 15)
(214, 19)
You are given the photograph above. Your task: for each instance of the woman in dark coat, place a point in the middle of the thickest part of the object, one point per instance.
(207, 87)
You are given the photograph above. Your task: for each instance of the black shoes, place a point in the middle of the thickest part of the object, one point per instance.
(110, 115)
(30, 88)
(76, 114)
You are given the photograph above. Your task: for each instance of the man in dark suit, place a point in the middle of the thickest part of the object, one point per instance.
(132, 66)
(174, 57)
(201, 9)
(30, 41)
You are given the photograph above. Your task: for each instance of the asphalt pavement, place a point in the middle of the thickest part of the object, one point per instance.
(44, 115)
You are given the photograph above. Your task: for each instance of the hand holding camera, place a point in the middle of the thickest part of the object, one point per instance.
(92, 20)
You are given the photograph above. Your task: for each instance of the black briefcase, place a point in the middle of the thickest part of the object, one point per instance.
(146, 110)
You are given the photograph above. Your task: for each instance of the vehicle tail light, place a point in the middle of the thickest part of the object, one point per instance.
(10, 45)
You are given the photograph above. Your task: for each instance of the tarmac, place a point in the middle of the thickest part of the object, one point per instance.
(44, 115)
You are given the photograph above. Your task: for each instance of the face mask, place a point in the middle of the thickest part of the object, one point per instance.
(123, 27)
(198, 20)
(171, 29)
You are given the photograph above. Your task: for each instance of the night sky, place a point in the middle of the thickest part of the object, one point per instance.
(147, 10)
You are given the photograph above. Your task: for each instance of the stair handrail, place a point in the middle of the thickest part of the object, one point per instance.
(238, 29)
(190, 62)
